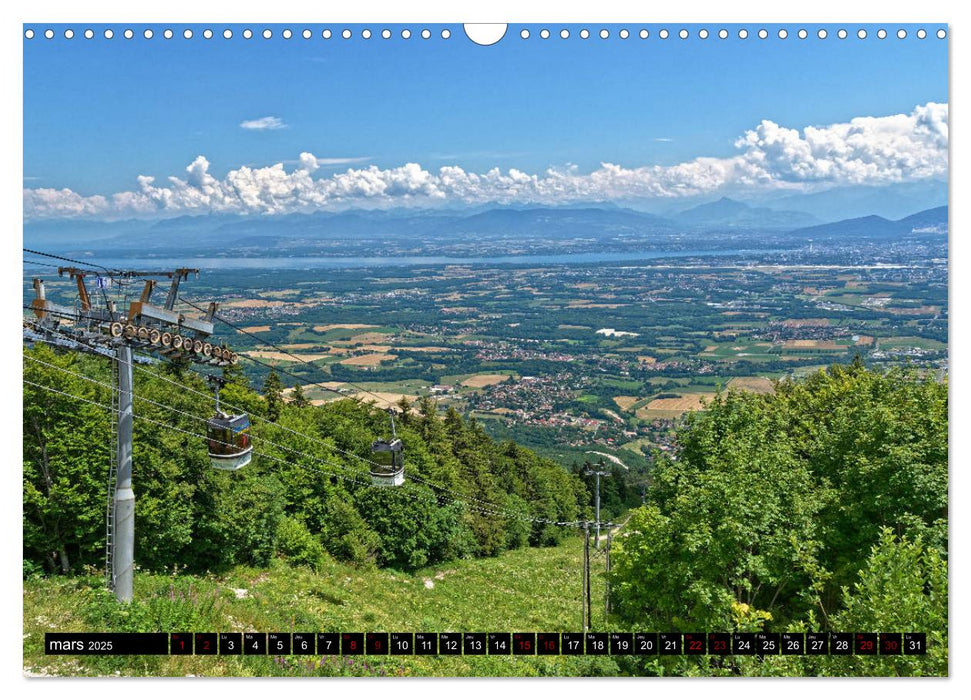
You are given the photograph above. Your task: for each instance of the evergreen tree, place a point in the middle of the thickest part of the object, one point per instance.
(299, 400)
(273, 395)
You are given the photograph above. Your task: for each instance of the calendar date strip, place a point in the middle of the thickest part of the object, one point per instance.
(758, 644)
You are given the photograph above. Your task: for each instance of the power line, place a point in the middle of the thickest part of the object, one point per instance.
(462, 498)
(298, 359)
(410, 494)
(70, 260)
(228, 405)
(179, 411)
(363, 390)
(351, 479)
(486, 511)
(42, 264)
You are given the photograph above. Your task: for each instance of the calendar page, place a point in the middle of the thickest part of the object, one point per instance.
(546, 349)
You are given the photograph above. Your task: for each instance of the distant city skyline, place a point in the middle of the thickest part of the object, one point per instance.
(161, 127)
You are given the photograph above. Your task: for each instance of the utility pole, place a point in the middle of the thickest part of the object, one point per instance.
(585, 595)
(588, 625)
(150, 329)
(598, 474)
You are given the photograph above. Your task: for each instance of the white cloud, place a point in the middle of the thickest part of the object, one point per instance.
(865, 150)
(342, 161)
(263, 123)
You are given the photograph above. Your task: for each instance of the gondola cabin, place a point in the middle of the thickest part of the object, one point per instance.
(230, 447)
(388, 466)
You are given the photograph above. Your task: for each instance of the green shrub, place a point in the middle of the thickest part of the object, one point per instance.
(296, 543)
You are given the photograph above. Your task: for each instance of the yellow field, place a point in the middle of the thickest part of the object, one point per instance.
(865, 340)
(422, 348)
(369, 338)
(688, 402)
(811, 345)
(625, 402)
(646, 359)
(673, 408)
(351, 326)
(483, 380)
(757, 385)
(256, 329)
(371, 360)
(916, 311)
(284, 357)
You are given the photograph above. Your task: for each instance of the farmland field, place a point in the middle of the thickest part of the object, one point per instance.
(370, 360)
(683, 328)
(674, 407)
(483, 380)
(758, 385)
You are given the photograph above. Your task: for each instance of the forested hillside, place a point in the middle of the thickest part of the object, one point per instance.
(821, 507)
(306, 493)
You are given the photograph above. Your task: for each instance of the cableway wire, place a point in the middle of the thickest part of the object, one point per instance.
(457, 497)
(219, 318)
(251, 359)
(361, 389)
(484, 506)
(310, 364)
(288, 463)
(207, 396)
(260, 454)
(72, 260)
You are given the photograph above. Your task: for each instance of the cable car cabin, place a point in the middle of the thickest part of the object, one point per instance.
(388, 468)
(229, 442)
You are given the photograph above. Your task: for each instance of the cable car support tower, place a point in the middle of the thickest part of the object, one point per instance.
(117, 333)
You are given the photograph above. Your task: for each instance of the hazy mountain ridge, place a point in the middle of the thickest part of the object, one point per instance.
(730, 214)
(927, 221)
(519, 226)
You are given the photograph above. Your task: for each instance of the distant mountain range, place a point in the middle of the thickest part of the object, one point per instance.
(889, 201)
(729, 213)
(519, 224)
(927, 221)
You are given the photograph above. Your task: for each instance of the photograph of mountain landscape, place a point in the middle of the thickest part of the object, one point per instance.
(599, 350)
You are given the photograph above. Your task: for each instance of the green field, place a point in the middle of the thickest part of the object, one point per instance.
(910, 342)
(533, 589)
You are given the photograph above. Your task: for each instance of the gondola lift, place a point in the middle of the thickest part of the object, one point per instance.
(387, 459)
(230, 447)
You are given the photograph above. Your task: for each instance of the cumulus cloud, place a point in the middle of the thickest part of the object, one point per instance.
(263, 123)
(865, 150)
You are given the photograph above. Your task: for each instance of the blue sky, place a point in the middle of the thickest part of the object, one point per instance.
(98, 113)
